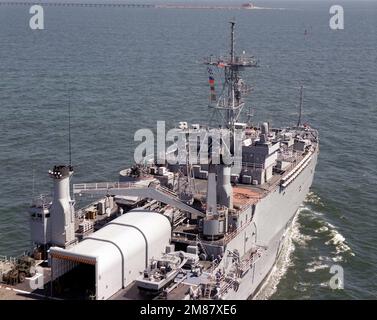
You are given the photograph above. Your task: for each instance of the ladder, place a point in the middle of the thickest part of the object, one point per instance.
(207, 291)
(201, 245)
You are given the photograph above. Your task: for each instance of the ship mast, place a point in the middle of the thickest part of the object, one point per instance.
(230, 103)
(300, 106)
(232, 23)
(231, 89)
(229, 107)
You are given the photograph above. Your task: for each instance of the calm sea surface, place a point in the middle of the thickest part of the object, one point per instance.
(128, 68)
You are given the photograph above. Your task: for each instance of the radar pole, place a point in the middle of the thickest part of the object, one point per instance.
(69, 130)
(230, 103)
(300, 106)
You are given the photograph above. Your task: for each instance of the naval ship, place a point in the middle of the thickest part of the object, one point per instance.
(181, 230)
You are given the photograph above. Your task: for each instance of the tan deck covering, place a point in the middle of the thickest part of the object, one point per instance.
(245, 196)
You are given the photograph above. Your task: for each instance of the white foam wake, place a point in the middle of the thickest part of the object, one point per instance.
(313, 198)
(339, 242)
(283, 263)
(326, 232)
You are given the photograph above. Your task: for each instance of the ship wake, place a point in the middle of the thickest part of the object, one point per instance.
(310, 229)
(284, 261)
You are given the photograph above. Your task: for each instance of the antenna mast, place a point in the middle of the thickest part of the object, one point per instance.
(232, 24)
(301, 105)
(69, 129)
(230, 104)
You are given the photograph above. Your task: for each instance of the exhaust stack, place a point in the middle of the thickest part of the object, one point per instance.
(62, 211)
(224, 187)
(211, 190)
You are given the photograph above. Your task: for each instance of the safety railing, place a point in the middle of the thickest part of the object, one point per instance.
(230, 236)
(167, 191)
(42, 201)
(253, 165)
(185, 235)
(77, 188)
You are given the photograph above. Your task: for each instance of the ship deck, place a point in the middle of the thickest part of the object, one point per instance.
(243, 194)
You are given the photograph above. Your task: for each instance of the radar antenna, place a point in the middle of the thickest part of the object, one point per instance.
(300, 106)
(69, 129)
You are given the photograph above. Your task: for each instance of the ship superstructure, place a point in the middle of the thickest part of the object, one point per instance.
(207, 230)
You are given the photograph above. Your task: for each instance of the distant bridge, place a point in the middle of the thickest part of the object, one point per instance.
(76, 4)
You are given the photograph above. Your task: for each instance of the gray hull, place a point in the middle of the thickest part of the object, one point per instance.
(272, 218)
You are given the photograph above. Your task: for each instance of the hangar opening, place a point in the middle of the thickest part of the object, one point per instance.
(73, 279)
(111, 258)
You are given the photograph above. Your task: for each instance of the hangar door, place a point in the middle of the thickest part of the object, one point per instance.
(73, 278)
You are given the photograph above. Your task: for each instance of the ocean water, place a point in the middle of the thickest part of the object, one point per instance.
(125, 69)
